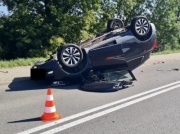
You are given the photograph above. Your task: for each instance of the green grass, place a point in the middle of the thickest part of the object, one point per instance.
(19, 62)
(166, 52)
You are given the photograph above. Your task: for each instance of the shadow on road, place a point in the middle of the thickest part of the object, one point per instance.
(25, 83)
(26, 120)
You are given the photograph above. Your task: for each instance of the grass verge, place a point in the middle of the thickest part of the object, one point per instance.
(166, 52)
(19, 62)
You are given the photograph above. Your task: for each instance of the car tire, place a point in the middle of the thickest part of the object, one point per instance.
(114, 24)
(70, 55)
(141, 28)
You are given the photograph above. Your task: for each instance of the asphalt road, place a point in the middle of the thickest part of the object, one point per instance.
(148, 107)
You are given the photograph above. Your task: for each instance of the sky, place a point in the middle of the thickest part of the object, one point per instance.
(3, 9)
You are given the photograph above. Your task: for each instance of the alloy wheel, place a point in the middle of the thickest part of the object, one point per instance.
(71, 56)
(142, 26)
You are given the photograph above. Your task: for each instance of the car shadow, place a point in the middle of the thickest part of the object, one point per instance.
(25, 83)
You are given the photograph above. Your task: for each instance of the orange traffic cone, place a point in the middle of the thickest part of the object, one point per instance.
(50, 113)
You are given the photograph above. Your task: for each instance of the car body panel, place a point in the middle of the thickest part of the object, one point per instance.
(119, 49)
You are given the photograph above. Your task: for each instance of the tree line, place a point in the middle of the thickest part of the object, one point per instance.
(35, 28)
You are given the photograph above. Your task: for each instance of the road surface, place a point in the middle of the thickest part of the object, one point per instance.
(151, 106)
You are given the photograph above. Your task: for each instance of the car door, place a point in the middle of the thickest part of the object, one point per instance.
(108, 54)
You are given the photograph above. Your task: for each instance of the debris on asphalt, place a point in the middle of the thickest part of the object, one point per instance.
(175, 69)
(142, 70)
(160, 70)
(4, 71)
(159, 62)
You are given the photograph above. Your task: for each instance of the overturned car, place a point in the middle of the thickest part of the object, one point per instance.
(117, 51)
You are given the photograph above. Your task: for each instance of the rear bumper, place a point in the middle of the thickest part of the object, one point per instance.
(49, 69)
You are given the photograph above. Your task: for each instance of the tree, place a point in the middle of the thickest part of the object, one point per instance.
(37, 27)
(164, 14)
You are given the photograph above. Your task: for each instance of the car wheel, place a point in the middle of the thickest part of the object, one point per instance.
(114, 24)
(140, 27)
(70, 55)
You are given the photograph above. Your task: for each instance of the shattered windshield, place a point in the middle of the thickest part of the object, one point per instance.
(116, 76)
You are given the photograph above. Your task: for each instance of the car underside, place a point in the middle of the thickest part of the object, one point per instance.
(118, 51)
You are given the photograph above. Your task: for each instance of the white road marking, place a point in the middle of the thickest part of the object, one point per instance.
(94, 109)
(110, 110)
